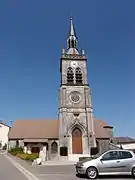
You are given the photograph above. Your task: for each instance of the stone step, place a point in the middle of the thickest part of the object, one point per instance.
(58, 163)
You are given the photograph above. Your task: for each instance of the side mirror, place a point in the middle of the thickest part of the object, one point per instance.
(102, 160)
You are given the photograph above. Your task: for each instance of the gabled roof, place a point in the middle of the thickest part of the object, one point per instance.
(1, 122)
(100, 130)
(41, 128)
(49, 129)
(122, 140)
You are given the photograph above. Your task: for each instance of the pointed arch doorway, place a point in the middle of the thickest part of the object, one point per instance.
(76, 141)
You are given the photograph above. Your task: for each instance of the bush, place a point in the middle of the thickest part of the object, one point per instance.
(22, 156)
(19, 149)
(32, 157)
(28, 157)
(16, 150)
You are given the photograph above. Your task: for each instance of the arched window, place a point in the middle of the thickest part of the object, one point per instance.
(54, 148)
(78, 76)
(69, 43)
(77, 132)
(70, 76)
(72, 42)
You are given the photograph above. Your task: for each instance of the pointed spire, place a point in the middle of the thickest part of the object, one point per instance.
(71, 30)
(72, 40)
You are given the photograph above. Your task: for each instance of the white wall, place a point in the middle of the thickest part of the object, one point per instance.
(128, 146)
(4, 134)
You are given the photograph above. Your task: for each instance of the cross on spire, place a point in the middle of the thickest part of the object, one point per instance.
(71, 30)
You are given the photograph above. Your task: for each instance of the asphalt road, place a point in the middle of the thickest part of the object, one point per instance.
(65, 172)
(8, 171)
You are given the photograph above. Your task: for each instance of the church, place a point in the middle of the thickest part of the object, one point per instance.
(76, 131)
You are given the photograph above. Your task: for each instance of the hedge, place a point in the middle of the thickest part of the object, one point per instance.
(16, 150)
(28, 157)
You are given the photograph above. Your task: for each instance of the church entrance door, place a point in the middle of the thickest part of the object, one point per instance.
(77, 141)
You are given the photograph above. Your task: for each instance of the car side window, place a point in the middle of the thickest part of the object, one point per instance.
(113, 155)
(125, 155)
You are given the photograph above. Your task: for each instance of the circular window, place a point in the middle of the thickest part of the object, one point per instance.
(75, 97)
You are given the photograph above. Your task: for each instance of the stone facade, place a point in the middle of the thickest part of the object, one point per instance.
(75, 106)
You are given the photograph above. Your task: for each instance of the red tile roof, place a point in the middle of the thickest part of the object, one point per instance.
(39, 129)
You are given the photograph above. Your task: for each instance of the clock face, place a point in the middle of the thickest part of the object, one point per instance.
(74, 64)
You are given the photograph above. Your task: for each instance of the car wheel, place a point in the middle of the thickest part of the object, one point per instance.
(92, 173)
(133, 172)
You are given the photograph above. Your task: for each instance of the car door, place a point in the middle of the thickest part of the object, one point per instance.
(109, 162)
(126, 160)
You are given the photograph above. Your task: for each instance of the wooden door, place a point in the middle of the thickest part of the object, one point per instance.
(76, 141)
(35, 150)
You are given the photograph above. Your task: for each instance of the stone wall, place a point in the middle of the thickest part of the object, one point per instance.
(103, 145)
(51, 155)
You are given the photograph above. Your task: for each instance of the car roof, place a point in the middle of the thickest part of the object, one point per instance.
(120, 150)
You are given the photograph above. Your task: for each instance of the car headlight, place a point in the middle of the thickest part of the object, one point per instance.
(80, 164)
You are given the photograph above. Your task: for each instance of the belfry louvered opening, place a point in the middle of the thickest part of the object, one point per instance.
(78, 76)
(70, 76)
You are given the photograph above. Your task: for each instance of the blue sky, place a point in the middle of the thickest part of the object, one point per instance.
(31, 36)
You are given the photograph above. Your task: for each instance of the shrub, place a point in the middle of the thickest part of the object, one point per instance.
(28, 157)
(32, 157)
(16, 150)
(19, 149)
(22, 156)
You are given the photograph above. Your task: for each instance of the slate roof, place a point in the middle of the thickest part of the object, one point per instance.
(124, 140)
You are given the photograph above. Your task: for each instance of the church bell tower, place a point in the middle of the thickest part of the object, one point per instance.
(76, 122)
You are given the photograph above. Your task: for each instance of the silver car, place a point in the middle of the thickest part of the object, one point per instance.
(113, 162)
